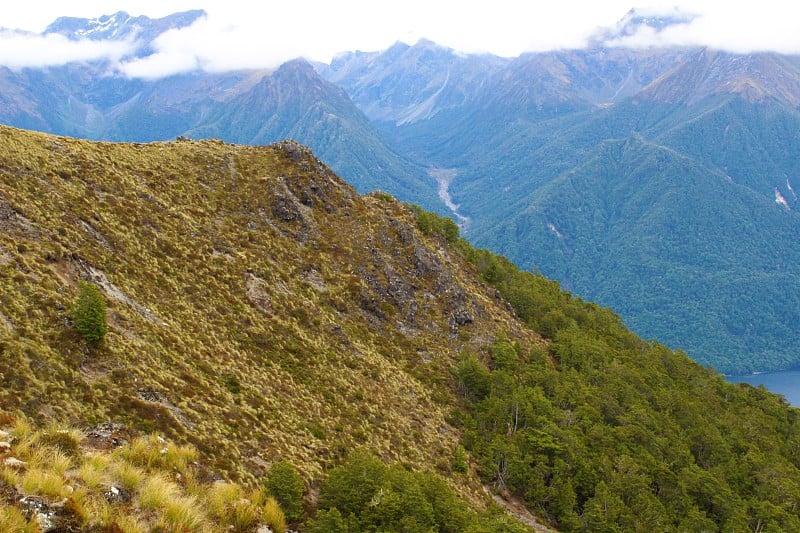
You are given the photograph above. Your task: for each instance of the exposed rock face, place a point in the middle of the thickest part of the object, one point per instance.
(13, 462)
(107, 435)
(117, 495)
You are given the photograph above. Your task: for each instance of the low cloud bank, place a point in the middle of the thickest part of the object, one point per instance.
(23, 49)
(265, 38)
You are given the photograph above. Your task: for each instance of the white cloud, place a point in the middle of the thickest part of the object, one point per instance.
(737, 28)
(160, 65)
(22, 49)
(214, 45)
(239, 34)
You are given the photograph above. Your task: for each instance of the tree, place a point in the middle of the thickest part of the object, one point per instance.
(285, 484)
(89, 314)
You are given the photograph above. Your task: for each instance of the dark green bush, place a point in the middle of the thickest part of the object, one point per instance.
(287, 487)
(89, 314)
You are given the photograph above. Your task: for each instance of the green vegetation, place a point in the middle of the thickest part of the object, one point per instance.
(364, 494)
(287, 487)
(685, 253)
(89, 314)
(433, 224)
(603, 431)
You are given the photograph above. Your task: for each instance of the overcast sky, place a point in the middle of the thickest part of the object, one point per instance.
(248, 34)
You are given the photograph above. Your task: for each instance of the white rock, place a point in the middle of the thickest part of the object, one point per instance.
(13, 462)
(44, 521)
(4, 446)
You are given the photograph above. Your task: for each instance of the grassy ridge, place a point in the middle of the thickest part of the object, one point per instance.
(254, 299)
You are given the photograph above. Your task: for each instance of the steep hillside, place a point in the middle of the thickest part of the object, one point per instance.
(294, 102)
(673, 246)
(227, 264)
(264, 314)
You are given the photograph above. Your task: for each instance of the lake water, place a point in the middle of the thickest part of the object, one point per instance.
(786, 383)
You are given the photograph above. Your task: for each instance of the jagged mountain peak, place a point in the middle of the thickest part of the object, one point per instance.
(638, 20)
(297, 66)
(657, 19)
(121, 25)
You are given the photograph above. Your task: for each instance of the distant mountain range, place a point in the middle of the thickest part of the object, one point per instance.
(660, 182)
(256, 107)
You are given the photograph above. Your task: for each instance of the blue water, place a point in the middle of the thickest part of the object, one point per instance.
(786, 382)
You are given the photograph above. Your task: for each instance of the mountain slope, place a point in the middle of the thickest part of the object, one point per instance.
(406, 84)
(616, 227)
(741, 155)
(294, 102)
(165, 230)
(261, 310)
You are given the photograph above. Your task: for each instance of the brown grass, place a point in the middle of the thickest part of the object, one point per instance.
(349, 328)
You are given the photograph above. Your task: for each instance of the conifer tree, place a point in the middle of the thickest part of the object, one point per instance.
(89, 314)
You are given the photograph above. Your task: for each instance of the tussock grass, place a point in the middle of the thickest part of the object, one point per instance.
(36, 481)
(12, 520)
(52, 459)
(65, 440)
(156, 491)
(245, 515)
(131, 524)
(9, 476)
(221, 497)
(273, 515)
(148, 471)
(92, 474)
(21, 429)
(98, 513)
(183, 514)
(226, 502)
(6, 420)
(76, 503)
(177, 457)
(143, 451)
(130, 477)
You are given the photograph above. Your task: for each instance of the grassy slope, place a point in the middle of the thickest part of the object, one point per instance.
(334, 318)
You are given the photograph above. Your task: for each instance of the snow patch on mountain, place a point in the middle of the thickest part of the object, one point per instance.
(789, 186)
(780, 200)
(554, 230)
(111, 25)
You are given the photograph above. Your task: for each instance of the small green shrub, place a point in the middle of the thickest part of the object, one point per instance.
(459, 460)
(285, 484)
(232, 383)
(89, 314)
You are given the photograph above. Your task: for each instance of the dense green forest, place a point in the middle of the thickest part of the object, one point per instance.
(603, 431)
